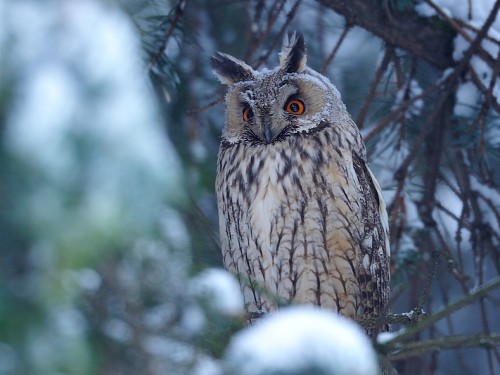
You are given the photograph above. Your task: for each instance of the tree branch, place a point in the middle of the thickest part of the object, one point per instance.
(417, 348)
(428, 39)
(445, 311)
(179, 10)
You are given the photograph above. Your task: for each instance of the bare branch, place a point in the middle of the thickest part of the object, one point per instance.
(423, 37)
(335, 49)
(418, 348)
(373, 88)
(179, 10)
(445, 311)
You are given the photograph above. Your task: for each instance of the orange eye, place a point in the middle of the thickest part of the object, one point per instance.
(295, 107)
(247, 114)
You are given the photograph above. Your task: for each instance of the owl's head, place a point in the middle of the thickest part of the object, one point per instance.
(264, 107)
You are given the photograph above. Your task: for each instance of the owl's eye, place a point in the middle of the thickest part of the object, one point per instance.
(247, 114)
(295, 106)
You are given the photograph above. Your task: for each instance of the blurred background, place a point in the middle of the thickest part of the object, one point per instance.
(110, 120)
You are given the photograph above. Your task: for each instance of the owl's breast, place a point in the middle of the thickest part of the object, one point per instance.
(291, 223)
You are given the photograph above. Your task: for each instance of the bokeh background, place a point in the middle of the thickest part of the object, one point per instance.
(110, 120)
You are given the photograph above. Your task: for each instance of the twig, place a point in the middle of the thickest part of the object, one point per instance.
(335, 49)
(445, 311)
(465, 25)
(424, 132)
(449, 82)
(206, 106)
(279, 36)
(454, 23)
(485, 90)
(393, 115)
(272, 17)
(413, 33)
(418, 348)
(168, 34)
(373, 88)
(428, 280)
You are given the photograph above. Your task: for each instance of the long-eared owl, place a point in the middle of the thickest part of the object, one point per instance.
(302, 218)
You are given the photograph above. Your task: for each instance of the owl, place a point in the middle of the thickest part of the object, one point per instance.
(302, 218)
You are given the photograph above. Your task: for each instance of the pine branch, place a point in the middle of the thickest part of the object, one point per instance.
(370, 97)
(179, 10)
(279, 36)
(426, 38)
(460, 27)
(445, 311)
(332, 54)
(417, 348)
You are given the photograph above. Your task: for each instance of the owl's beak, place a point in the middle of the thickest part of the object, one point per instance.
(268, 134)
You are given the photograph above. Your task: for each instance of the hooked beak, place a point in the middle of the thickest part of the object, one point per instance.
(268, 134)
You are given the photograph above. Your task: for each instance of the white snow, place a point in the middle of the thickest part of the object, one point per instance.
(302, 338)
(466, 99)
(459, 9)
(384, 337)
(221, 289)
(409, 91)
(411, 313)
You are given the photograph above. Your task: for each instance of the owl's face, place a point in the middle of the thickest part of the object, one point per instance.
(268, 106)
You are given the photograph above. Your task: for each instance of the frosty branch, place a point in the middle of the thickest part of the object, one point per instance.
(418, 348)
(474, 295)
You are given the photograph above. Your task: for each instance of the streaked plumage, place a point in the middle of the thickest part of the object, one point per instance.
(302, 219)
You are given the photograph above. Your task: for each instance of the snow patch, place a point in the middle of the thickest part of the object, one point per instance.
(409, 91)
(301, 339)
(221, 289)
(467, 97)
(384, 337)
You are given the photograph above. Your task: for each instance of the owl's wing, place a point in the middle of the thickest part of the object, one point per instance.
(374, 273)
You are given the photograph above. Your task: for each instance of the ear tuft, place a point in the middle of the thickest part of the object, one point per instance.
(293, 57)
(230, 70)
